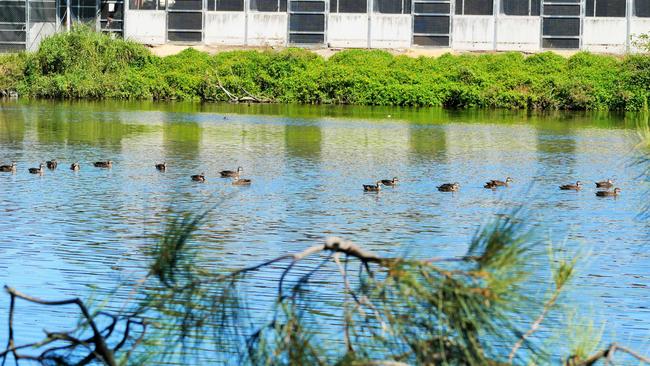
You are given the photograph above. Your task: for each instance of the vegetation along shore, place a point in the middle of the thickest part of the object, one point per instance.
(85, 64)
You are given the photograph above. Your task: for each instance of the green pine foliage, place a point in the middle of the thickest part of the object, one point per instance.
(86, 64)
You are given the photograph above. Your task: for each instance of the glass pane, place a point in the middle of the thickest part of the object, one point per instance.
(12, 12)
(144, 5)
(562, 10)
(265, 5)
(307, 38)
(589, 8)
(12, 36)
(432, 8)
(561, 43)
(535, 7)
(184, 36)
(42, 11)
(478, 7)
(307, 23)
(610, 8)
(431, 24)
(185, 4)
(432, 41)
(189, 21)
(388, 6)
(225, 5)
(515, 7)
(308, 6)
(561, 26)
(353, 6)
(642, 8)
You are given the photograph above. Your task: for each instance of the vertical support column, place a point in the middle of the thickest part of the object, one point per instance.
(628, 25)
(369, 7)
(246, 8)
(496, 9)
(28, 44)
(68, 13)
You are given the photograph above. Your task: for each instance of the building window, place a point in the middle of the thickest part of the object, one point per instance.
(393, 6)
(474, 7)
(147, 4)
(348, 6)
(269, 5)
(520, 7)
(642, 8)
(605, 8)
(225, 5)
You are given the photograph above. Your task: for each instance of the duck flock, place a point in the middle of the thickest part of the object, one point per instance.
(605, 188)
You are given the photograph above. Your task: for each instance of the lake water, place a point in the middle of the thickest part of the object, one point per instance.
(64, 231)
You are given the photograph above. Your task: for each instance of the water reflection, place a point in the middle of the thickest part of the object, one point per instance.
(308, 163)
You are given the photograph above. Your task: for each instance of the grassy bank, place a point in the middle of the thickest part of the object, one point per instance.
(84, 64)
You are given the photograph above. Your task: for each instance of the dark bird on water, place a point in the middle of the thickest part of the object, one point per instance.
(372, 187)
(613, 193)
(572, 187)
(162, 167)
(390, 182)
(8, 168)
(231, 173)
(241, 182)
(103, 164)
(75, 166)
(52, 164)
(449, 187)
(199, 177)
(605, 184)
(494, 183)
(39, 170)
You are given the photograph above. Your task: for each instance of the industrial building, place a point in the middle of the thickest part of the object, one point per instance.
(483, 25)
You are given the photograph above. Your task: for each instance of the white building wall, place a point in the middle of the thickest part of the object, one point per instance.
(267, 29)
(605, 35)
(390, 30)
(518, 33)
(225, 28)
(37, 32)
(347, 30)
(145, 26)
(473, 32)
(638, 26)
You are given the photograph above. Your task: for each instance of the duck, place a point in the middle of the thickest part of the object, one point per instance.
(103, 164)
(199, 177)
(75, 166)
(572, 187)
(241, 182)
(390, 182)
(39, 170)
(498, 183)
(372, 187)
(162, 167)
(231, 173)
(52, 164)
(605, 184)
(613, 193)
(8, 168)
(449, 187)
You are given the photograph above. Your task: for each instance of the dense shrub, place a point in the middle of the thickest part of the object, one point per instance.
(86, 64)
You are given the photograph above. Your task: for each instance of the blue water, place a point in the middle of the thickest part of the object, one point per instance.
(65, 231)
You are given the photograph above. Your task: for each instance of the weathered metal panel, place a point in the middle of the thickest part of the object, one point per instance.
(267, 29)
(226, 27)
(473, 32)
(390, 30)
(348, 30)
(518, 33)
(604, 35)
(145, 26)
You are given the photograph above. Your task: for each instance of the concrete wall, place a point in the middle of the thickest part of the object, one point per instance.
(267, 29)
(515, 33)
(145, 26)
(37, 32)
(347, 30)
(225, 27)
(638, 26)
(604, 35)
(390, 30)
(472, 32)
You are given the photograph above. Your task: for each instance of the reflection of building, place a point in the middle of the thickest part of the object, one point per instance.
(525, 25)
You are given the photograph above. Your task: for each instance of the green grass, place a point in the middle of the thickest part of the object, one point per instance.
(85, 64)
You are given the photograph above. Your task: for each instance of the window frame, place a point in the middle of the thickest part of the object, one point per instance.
(530, 13)
(460, 10)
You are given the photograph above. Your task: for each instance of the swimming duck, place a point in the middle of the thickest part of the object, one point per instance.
(104, 164)
(572, 187)
(75, 166)
(372, 187)
(613, 193)
(449, 187)
(498, 183)
(8, 168)
(162, 167)
(390, 182)
(231, 173)
(241, 182)
(39, 170)
(199, 177)
(605, 184)
(51, 164)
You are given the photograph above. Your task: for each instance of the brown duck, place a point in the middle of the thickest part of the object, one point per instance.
(498, 183)
(572, 187)
(449, 187)
(75, 166)
(231, 173)
(39, 170)
(613, 193)
(199, 177)
(162, 167)
(52, 164)
(241, 182)
(103, 164)
(605, 184)
(372, 187)
(8, 168)
(390, 182)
